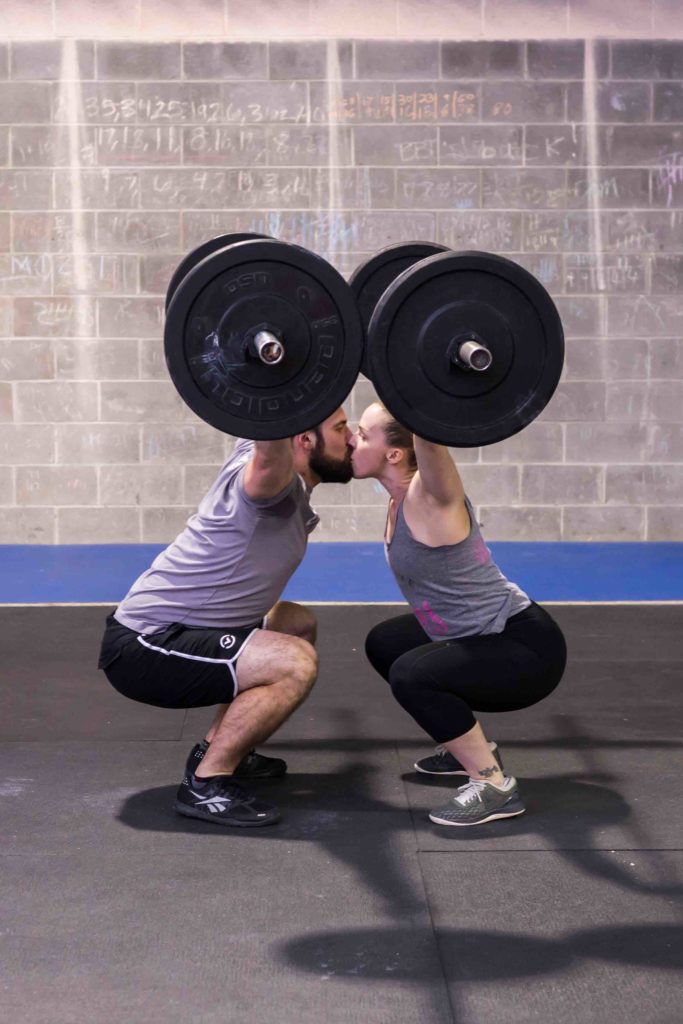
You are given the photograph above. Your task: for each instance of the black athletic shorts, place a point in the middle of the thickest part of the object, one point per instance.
(178, 666)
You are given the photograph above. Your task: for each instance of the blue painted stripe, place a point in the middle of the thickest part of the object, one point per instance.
(356, 572)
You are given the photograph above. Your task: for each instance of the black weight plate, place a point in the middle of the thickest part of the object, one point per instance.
(371, 278)
(200, 253)
(263, 285)
(441, 299)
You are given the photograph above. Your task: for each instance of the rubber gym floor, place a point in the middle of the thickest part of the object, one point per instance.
(355, 907)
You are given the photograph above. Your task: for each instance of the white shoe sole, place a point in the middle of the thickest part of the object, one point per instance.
(482, 821)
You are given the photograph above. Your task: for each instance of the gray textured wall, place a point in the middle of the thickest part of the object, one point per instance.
(117, 157)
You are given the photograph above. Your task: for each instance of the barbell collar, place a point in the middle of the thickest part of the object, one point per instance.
(267, 347)
(471, 355)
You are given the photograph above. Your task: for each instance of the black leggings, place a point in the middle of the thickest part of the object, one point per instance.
(441, 682)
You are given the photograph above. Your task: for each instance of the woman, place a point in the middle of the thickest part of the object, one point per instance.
(475, 642)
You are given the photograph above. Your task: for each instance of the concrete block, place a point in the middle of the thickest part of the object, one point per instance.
(97, 443)
(180, 103)
(668, 101)
(644, 485)
(639, 144)
(360, 522)
(576, 400)
(490, 231)
(27, 444)
(365, 188)
(559, 58)
(558, 232)
(7, 486)
(659, 316)
(191, 443)
(439, 19)
(438, 189)
(373, 231)
(666, 359)
(524, 189)
(482, 145)
(55, 402)
(141, 485)
(25, 190)
(397, 59)
(22, 525)
(520, 524)
(667, 274)
(7, 405)
(441, 102)
(488, 60)
(224, 145)
(395, 145)
(53, 232)
(665, 524)
(613, 188)
(4, 60)
(538, 442)
(128, 145)
(555, 145)
(96, 103)
(353, 102)
(98, 189)
(266, 103)
(56, 485)
(605, 442)
(98, 526)
(647, 59)
(26, 359)
(152, 359)
(560, 485)
(314, 60)
(600, 524)
(516, 102)
(131, 60)
(132, 231)
(225, 61)
(24, 103)
(95, 275)
(130, 318)
(156, 271)
(491, 485)
(97, 359)
(47, 59)
(604, 272)
(613, 102)
(590, 19)
(26, 274)
(60, 317)
(664, 442)
(581, 315)
(39, 146)
(142, 402)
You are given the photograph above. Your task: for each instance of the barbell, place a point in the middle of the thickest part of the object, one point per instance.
(265, 340)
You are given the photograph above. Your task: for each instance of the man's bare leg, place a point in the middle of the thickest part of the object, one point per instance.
(264, 701)
(284, 617)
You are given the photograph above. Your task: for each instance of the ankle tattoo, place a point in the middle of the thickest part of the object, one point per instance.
(487, 773)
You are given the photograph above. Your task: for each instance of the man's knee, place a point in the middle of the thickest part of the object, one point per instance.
(302, 666)
(294, 620)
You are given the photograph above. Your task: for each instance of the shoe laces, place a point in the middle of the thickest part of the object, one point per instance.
(470, 792)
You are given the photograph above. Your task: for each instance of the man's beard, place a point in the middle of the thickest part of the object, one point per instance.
(330, 471)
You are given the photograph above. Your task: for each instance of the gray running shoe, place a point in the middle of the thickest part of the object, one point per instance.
(443, 763)
(479, 801)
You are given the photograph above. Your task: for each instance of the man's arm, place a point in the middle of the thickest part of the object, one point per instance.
(437, 477)
(270, 469)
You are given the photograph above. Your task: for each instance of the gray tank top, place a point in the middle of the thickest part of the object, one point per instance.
(231, 562)
(456, 589)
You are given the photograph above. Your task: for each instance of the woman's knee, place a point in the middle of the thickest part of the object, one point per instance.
(377, 652)
(406, 683)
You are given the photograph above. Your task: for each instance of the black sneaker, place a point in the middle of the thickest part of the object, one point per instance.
(443, 763)
(252, 765)
(220, 800)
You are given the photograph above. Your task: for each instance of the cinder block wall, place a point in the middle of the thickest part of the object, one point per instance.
(118, 155)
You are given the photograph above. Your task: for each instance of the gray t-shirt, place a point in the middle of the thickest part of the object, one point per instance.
(456, 589)
(232, 561)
